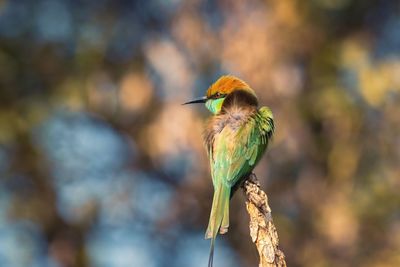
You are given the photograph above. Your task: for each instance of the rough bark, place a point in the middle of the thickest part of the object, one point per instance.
(262, 229)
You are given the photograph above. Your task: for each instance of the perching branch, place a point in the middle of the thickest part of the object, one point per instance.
(262, 229)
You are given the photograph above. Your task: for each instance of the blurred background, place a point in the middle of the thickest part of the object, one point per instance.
(100, 165)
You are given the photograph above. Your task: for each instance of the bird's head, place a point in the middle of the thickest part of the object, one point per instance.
(226, 90)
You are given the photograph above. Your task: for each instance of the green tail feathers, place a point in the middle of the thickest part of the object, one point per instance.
(219, 217)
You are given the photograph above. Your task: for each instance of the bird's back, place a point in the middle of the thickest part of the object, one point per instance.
(236, 139)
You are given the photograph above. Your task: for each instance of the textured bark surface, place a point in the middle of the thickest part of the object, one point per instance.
(262, 229)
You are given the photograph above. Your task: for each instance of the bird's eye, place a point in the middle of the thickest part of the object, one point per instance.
(218, 95)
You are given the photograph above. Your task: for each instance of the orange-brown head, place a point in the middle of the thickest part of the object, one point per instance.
(227, 84)
(229, 88)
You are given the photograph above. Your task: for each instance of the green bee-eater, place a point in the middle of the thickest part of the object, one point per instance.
(236, 137)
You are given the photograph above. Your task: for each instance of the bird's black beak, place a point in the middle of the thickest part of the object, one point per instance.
(202, 99)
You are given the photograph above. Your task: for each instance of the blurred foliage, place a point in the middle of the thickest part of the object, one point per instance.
(100, 165)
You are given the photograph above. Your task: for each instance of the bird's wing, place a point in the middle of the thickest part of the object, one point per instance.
(236, 151)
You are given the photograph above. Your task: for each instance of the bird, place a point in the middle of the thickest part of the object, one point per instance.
(236, 136)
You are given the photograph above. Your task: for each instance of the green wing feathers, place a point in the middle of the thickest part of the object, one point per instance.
(266, 122)
(235, 152)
